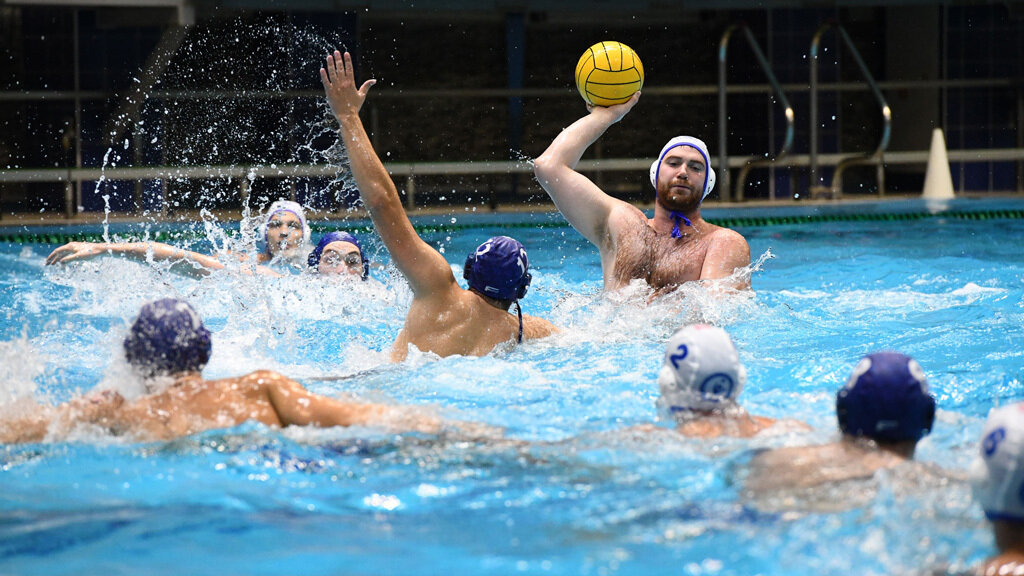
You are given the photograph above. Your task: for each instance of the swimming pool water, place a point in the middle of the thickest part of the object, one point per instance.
(573, 491)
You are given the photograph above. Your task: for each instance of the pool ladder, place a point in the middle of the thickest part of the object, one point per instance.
(835, 190)
(723, 131)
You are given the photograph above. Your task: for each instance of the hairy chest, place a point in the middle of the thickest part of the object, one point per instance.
(660, 260)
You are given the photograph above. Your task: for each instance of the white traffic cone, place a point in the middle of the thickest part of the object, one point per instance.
(938, 181)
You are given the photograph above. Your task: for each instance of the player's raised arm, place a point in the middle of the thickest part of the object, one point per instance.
(425, 269)
(609, 76)
(582, 203)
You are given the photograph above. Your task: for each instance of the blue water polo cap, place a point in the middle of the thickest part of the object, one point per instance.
(499, 268)
(886, 399)
(314, 257)
(700, 146)
(167, 338)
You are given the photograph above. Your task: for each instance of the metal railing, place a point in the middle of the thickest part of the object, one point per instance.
(723, 117)
(409, 171)
(836, 188)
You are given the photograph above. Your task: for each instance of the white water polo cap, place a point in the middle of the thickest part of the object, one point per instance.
(701, 370)
(286, 206)
(698, 144)
(997, 476)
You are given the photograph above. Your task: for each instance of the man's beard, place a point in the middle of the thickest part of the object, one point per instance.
(681, 204)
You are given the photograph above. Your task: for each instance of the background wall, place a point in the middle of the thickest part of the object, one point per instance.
(211, 84)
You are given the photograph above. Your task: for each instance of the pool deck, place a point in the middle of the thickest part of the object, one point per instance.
(892, 200)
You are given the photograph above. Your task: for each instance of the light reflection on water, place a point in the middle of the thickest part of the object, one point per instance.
(571, 491)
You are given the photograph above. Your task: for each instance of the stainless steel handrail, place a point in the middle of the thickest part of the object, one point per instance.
(410, 170)
(723, 133)
(876, 157)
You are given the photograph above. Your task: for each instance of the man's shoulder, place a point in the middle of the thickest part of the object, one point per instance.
(813, 454)
(727, 250)
(255, 379)
(626, 225)
(449, 297)
(727, 235)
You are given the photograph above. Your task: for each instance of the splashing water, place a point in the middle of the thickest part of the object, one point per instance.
(18, 378)
(221, 99)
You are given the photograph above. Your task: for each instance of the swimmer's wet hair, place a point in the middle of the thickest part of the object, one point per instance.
(167, 338)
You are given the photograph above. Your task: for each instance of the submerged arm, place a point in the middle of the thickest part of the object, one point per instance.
(425, 269)
(582, 203)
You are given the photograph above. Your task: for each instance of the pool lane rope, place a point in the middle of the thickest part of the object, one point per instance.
(28, 237)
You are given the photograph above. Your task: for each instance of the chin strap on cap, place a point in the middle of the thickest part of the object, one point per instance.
(676, 217)
(519, 312)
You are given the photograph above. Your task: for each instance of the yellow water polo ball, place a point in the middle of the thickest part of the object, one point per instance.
(609, 73)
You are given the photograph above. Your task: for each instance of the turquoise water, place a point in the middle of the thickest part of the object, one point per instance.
(573, 491)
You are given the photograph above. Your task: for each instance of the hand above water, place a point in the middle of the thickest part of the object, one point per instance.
(338, 78)
(612, 114)
(76, 251)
